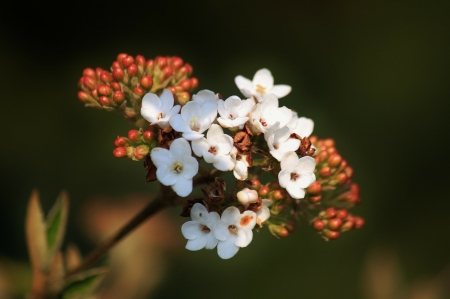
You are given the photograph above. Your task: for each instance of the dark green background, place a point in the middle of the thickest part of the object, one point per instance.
(373, 75)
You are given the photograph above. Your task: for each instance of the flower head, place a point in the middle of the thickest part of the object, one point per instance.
(199, 231)
(296, 174)
(279, 142)
(175, 167)
(267, 116)
(247, 196)
(261, 86)
(158, 110)
(234, 230)
(234, 112)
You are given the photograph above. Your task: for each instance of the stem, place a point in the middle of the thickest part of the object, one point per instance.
(151, 209)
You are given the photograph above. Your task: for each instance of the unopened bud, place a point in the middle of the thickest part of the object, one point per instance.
(121, 142)
(132, 70)
(84, 96)
(255, 184)
(247, 196)
(104, 101)
(176, 62)
(167, 72)
(120, 152)
(349, 171)
(263, 191)
(149, 66)
(161, 61)
(334, 160)
(315, 199)
(106, 77)
(149, 135)
(341, 214)
(139, 91)
(331, 234)
(278, 231)
(140, 61)
(318, 224)
(127, 61)
(348, 225)
(134, 135)
(330, 213)
(335, 224)
(359, 222)
(328, 142)
(118, 97)
(325, 171)
(314, 188)
(341, 178)
(118, 74)
(141, 151)
(278, 194)
(194, 83)
(115, 86)
(146, 82)
(186, 84)
(104, 90)
(121, 56)
(89, 82)
(277, 209)
(290, 226)
(183, 98)
(89, 72)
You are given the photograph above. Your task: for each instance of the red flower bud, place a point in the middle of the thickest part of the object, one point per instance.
(277, 209)
(120, 152)
(149, 66)
(167, 72)
(183, 98)
(315, 199)
(84, 96)
(334, 160)
(89, 72)
(140, 61)
(127, 61)
(118, 74)
(141, 151)
(341, 178)
(118, 97)
(359, 222)
(335, 224)
(104, 90)
(330, 213)
(139, 91)
(146, 82)
(278, 194)
(132, 70)
(331, 234)
(278, 231)
(194, 83)
(318, 224)
(120, 57)
(115, 86)
(149, 135)
(161, 61)
(342, 214)
(314, 188)
(121, 141)
(104, 101)
(176, 62)
(349, 171)
(255, 184)
(89, 82)
(134, 135)
(186, 84)
(106, 77)
(328, 142)
(325, 171)
(290, 226)
(263, 191)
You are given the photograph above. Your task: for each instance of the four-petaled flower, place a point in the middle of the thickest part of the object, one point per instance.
(296, 174)
(261, 86)
(234, 230)
(234, 112)
(175, 167)
(159, 110)
(267, 116)
(199, 231)
(215, 148)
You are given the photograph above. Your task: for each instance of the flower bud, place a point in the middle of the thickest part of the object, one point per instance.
(106, 77)
(89, 82)
(118, 97)
(318, 224)
(341, 178)
(278, 231)
(335, 224)
(118, 74)
(115, 86)
(104, 90)
(84, 96)
(139, 91)
(161, 62)
(176, 62)
(263, 191)
(89, 72)
(290, 226)
(342, 214)
(121, 142)
(104, 101)
(120, 152)
(186, 84)
(277, 209)
(330, 213)
(132, 70)
(348, 225)
(149, 66)
(146, 82)
(325, 171)
(255, 184)
(149, 135)
(348, 171)
(278, 194)
(167, 72)
(127, 61)
(331, 234)
(315, 199)
(334, 160)
(140, 61)
(194, 83)
(134, 135)
(183, 98)
(247, 196)
(314, 188)
(141, 151)
(359, 222)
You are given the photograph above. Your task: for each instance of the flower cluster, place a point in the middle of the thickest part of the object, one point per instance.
(187, 140)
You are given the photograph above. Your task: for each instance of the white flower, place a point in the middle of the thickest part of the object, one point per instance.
(234, 112)
(158, 110)
(263, 213)
(296, 174)
(215, 148)
(199, 231)
(240, 170)
(267, 116)
(175, 167)
(302, 126)
(234, 230)
(279, 142)
(194, 119)
(247, 196)
(261, 86)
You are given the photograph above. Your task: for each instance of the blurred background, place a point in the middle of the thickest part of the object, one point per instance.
(373, 75)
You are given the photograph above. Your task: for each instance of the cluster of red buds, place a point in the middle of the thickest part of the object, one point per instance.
(331, 222)
(122, 88)
(136, 145)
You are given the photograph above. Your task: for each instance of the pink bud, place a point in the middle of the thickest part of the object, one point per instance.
(247, 196)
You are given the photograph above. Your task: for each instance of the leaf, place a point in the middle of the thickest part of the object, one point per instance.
(73, 257)
(56, 224)
(56, 274)
(84, 284)
(35, 233)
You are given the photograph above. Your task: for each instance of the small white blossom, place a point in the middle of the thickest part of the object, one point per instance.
(302, 126)
(247, 196)
(240, 170)
(158, 110)
(199, 231)
(296, 174)
(261, 86)
(215, 148)
(234, 230)
(194, 119)
(175, 167)
(234, 112)
(267, 116)
(279, 142)
(263, 214)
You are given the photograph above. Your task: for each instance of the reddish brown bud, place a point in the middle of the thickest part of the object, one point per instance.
(314, 188)
(341, 178)
(194, 83)
(183, 97)
(255, 184)
(89, 72)
(325, 171)
(328, 142)
(115, 86)
(290, 226)
(278, 194)
(341, 214)
(127, 61)
(104, 101)
(263, 191)
(186, 84)
(139, 91)
(176, 62)
(104, 90)
(171, 89)
(141, 151)
(89, 82)
(132, 70)
(334, 160)
(323, 155)
(331, 234)
(116, 65)
(330, 213)
(335, 224)
(349, 171)
(189, 68)
(118, 97)
(121, 142)
(318, 224)
(359, 222)
(278, 231)
(149, 135)
(348, 225)
(167, 72)
(118, 74)
(120, 152)
(149, 66)
(94, 93)
(140, 61)
(134, 135)
(277, 209)
(315, 199)
(106, 77)
(83, 96)
(146, 82)
(161, 61)
(121, 56)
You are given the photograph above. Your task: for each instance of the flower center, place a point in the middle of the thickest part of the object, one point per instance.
(194, 124)
(177, 167)
(294, 176)
(233, 229)
(160, 115)
(260, 89)
(212, 150)
(205, 229)
(246, 220)
(263, 123)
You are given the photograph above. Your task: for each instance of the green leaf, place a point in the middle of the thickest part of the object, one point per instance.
(56, 224)
(84, 284)
(35, 232)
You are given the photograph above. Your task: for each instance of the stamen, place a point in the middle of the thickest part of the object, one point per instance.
(205, 229)
(233, 229)
(294, 176)
(260, 89)
(177, 167)
(212, 150)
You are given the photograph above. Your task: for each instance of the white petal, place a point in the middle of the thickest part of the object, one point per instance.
(304, 127)
(221, 231)
(199, 213)
(183, 187)
(212, 241)
(209, 110)
(230, 215)
(224, 163)
(180, 148)
(166, 100)
(214, 218)
(295, 191)
(247, 220)
(178, 124)
(190, 167)
(160, 157)
(244, 85)
(289, 160)
(246, 107)
(191, 135)
(280, 90)
(244, 237)
(151, 100)
(200, 146)
(191, 229)
(306, 179)
(165, 176)
(264, 78)
(226, 249)
(190, 110)
(240, 171)
(221, 109)
(284, 177)
(214, 132)
(204, 95)
(197, 243)
(263, 214)
(306, 164)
